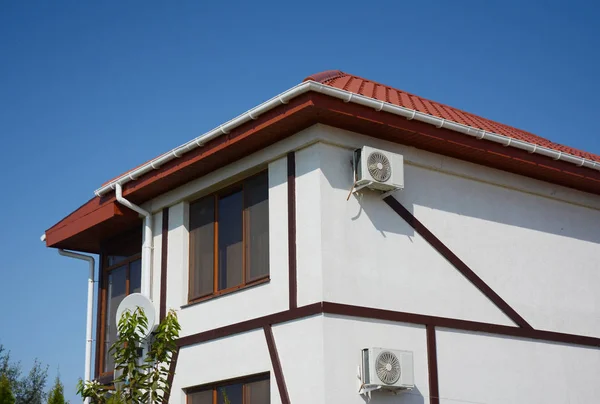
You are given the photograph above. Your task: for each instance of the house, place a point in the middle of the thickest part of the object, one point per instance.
(483, 268)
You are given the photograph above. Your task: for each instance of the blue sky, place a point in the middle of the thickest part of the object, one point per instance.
(91, 89)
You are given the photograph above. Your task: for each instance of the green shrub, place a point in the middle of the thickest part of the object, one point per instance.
(139, 381)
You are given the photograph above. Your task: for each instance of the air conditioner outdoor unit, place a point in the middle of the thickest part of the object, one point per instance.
(386, 369)
(378, 169)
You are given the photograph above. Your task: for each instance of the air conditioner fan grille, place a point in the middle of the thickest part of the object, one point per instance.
(379, 166)
(387, 366)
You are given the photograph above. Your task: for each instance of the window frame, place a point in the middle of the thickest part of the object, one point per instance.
(216, 195)
(214, 386)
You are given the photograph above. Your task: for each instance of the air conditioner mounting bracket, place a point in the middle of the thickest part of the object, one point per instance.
(366, 389)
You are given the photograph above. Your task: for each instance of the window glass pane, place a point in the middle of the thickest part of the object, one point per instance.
(115, 294)
(114, 259)
(256, 195)
(258, 392)
(202, 214)
(201, 397)
(233, 393)
(230, 240)
(135, 276)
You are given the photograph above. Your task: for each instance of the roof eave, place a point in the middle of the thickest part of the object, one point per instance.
(349, 97)
(290, 112)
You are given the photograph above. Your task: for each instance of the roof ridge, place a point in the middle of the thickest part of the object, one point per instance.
(326, 75)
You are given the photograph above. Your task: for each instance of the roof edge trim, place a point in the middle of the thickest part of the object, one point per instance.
(345, 96)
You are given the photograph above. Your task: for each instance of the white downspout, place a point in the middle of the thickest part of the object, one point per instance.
(89, 315)
(147, 246)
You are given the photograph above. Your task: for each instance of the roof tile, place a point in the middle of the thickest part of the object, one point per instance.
(368, 89)
(354, 85)
(358, 85)
(380, 92)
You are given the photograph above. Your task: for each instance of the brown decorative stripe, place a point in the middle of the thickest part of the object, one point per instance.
(163, 262)
(291, 195)
(389, 315)
(398, 316)
(456, 262)
(171, 375)
(379, 314)
(283, 393)
(249, 325)
(434, 389)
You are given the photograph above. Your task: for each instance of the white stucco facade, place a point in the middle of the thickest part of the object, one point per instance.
(495, 369)
(534, 243)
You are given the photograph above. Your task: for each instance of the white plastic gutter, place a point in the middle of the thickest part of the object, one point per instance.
(346, 96)
(89, 314)
(147, 245)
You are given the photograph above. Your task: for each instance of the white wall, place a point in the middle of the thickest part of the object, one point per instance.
(156, 258)
(479, 368)
(300, 348)
(539, 254)
(369, 255)
(309, 242)
(319, 356)
(534, 243)
(177, 256)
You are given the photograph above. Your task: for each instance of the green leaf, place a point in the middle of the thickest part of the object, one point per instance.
(146, 377)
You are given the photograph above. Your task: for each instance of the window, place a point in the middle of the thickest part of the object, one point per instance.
(229, 238)
(123, 280)
(121, 276)
(254, 390)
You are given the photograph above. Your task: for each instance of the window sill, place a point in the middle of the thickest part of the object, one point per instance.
(106, 378)
(227, 292)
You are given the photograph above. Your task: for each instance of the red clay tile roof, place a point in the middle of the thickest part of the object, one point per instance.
(381, 92)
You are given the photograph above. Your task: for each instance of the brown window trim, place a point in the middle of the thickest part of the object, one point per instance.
(215, 385)
(254, 283)
(126, 261)
(107, 377)
(216, 195)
